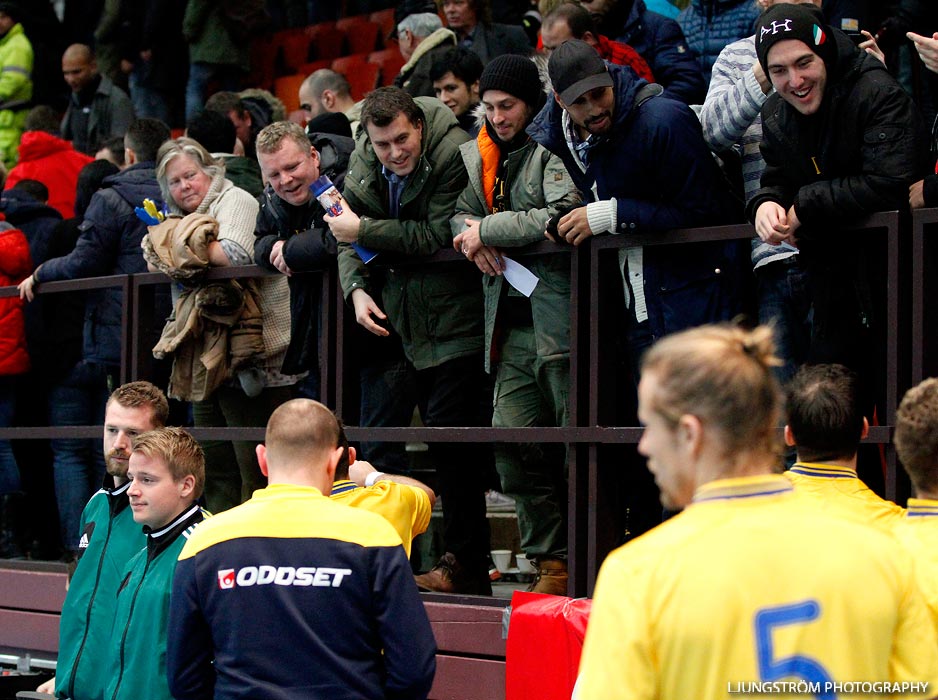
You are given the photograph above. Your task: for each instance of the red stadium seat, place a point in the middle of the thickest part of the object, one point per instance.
(360, 32)
(390, 61)
(295, 47)
(286, 88)
(263, 53)
(313, 66)
(385, 20)
(326, 39)
(362, 78)
(350, 63)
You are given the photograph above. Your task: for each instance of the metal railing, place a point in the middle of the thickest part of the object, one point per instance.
(591, 428)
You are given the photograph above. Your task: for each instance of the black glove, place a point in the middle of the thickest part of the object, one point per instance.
(555, 219)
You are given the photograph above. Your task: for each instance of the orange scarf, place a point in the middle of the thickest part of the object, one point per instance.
(490, 154)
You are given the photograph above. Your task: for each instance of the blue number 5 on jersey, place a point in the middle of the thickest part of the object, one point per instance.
(795, 666)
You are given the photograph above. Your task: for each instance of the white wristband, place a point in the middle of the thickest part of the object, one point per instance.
(372, 478)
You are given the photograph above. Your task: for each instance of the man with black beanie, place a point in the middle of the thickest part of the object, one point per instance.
(515, 186)
(841, 140)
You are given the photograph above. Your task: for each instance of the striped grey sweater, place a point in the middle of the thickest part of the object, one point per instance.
(731, 118)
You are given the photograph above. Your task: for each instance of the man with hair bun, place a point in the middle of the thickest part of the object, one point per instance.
(749, 584)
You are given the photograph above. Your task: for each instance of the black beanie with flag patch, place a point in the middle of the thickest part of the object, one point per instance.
(799, 22)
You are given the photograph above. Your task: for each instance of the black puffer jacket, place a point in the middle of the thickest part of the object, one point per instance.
(857, 155)
(309, 247)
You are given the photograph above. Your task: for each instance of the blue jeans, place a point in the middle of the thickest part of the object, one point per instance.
(9, 471)
(784, 296)
(77, 463)
(200, 75)
(148, 101)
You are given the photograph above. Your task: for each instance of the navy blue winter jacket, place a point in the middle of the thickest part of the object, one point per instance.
(660, 41)
(109, 245)
(662, 175)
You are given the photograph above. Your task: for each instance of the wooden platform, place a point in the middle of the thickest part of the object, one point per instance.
(470, 657)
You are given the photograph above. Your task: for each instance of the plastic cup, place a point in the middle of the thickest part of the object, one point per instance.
(524, 566)
(502, 559)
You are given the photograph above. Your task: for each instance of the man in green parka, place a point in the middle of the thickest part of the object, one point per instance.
(400, 191)
(515, 186)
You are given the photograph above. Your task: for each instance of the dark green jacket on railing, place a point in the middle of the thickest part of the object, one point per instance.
(436, 309)
(539, 185)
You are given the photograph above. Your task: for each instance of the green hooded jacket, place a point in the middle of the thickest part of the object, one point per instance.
(137, 650)
(539, 185)
(435, 308)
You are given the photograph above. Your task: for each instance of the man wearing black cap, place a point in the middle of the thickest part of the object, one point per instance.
(642, 159)
(16, 88)
(514, 187)
(841, 140)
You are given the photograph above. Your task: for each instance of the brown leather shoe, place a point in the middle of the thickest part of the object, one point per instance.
(551, 577)
(449, 576)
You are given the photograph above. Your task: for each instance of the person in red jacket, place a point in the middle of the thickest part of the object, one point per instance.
(45, 157)
(15, 264)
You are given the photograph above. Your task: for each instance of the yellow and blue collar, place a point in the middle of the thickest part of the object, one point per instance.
(823, 471)
(743, 488)
(922, 508)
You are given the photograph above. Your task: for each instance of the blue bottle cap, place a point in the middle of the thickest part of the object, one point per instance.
(320, 185)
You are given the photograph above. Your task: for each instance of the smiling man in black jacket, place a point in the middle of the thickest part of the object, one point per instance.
(293, 238)
(841, 140)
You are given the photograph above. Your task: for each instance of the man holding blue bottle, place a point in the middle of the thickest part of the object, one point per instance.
(292, 237)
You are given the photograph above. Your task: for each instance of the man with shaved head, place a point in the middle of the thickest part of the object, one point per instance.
(325, 590)
(328, 92)
(97, 108)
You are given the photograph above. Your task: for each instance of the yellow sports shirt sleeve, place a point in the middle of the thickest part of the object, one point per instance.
(913, 654)
(618, 641)
(422, 510)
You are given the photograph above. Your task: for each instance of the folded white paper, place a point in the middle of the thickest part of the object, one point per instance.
(519, 277)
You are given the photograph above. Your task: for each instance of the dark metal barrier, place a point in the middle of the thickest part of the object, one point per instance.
(593, 289)
(924, 327)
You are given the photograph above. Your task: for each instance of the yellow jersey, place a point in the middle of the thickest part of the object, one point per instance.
(839, 491)
(406, 507)
(752, 590)
(918, 531)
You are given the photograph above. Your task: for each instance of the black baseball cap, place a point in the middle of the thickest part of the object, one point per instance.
(575, 68)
